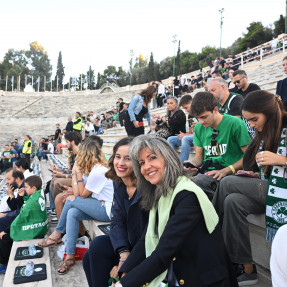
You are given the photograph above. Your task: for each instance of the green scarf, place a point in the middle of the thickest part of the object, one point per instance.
(276, 201)
(163, 208)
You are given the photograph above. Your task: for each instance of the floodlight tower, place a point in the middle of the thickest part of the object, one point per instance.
(174, 44)
(221, 23)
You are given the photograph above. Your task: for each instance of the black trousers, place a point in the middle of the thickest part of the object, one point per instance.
(99, 260)
(27, 158)
(5, 248)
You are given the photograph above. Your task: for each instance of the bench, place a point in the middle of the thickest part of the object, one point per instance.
(12, 264)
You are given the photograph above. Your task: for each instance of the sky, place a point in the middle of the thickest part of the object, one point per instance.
(102, 33)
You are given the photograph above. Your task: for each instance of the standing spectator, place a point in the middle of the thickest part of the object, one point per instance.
(241, 81)
(281, 89)
(27, 149)
(138, 109)
(69, 126)
(15, 152)
(63, 141)
(77, 125)
(121, 111)
(57, 132)
(17, 145)
(160, 94)
(7, 157)
(176, 87)
(274, 44)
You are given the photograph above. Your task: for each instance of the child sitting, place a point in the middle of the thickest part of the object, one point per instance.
(32, 221)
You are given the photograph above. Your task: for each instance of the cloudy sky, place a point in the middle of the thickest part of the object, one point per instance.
(102, 33)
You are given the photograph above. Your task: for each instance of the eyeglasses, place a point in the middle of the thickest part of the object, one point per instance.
(214, 143)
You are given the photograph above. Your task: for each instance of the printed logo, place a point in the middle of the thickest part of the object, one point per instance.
(42, 203)
(279, 212)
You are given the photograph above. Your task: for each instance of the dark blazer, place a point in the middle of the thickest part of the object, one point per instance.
(199, 258)
(126, 227)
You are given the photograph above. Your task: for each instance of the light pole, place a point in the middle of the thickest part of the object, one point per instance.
(174, 44)
(131, 65)
(221, 23)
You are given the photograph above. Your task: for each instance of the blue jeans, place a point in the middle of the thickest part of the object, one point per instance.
(74, 211)
(186, 143)
(43, 154)
(52, 202)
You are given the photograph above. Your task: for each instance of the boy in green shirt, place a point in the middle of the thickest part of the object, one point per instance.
(219, 140)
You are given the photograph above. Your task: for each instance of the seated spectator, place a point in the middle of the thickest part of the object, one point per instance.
(7, 157)
(23, 167)
(63, 141)
(199, 80)
(261, 186)
(14, 181)
(220, 142)
(92, 199)
(278, 260)
(228, 102)
(174, 120)
(185, 140)
(107, 253)
(89, 129)
(281, 88)
(231, 86)
(50, 150)
(216, 74)
(241, 81)
(32, 213)
(183, 241)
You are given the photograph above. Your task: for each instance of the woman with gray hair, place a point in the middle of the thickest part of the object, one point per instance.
(183, 244)
(175, 119)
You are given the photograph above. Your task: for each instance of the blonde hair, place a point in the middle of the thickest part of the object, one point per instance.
(89, 155)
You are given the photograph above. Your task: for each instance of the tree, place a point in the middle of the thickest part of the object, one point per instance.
(91, 79)
(177, 60)
(39, 60)
(151, 74)
(165, 68)
(279, 26)
(60, 70)
(140, 61)
(99, 81)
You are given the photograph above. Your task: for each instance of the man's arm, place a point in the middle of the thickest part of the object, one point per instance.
(219, 174)
(198, 159)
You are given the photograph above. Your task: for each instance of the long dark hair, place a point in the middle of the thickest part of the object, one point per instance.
(147, 94)
(272, 107)
(24, 164)
(111, 173)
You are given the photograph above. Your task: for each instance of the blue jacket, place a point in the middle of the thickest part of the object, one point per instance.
(126, 227)
(135, 107)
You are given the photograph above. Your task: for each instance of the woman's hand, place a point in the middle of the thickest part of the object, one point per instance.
(136, 124)
(269, 158)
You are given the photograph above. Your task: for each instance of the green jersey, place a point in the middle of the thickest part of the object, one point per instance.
(232, 135)
(7, 153)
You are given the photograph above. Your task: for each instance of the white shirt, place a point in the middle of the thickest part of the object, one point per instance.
(50, 148)
(183, 80)
(101, 187)
(161, 89)
(27, 173)
(89, 128)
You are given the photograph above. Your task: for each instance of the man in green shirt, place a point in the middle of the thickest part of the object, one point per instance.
(7, 157)
(220, 141)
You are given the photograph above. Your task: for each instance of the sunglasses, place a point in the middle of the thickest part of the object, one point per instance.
(213, 137)
(237, 82)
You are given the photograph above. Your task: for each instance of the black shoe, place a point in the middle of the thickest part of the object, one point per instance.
(246, 279)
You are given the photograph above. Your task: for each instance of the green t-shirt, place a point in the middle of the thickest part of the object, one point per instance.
(7, 153)
(115, 117)
(232, 135)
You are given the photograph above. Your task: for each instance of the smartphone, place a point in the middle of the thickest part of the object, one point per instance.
(50, 170)
(189, 164)
(246, 175)
(141, 124)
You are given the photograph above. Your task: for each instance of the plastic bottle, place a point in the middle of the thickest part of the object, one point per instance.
(29, 268)
(32, 250)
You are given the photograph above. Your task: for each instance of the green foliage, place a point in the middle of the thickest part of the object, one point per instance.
(177, 60)
(151, 71)
(60, 71)
(91, 79)
(279, 26)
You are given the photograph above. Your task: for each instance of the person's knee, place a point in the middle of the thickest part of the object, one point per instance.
(232, 203)
(186, 141)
